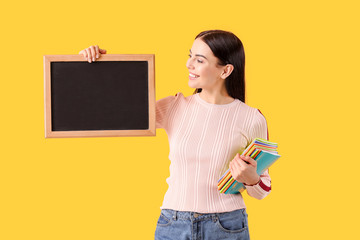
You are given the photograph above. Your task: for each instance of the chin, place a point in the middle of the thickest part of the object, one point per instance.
(192, 84)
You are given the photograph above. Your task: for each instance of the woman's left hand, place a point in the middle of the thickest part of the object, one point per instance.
(243, 172)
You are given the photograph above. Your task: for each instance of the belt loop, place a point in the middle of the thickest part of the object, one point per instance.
(174, 216)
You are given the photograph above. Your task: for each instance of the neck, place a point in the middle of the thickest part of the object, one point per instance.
(216, 97)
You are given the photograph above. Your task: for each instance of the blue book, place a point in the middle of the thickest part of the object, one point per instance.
(265, 153)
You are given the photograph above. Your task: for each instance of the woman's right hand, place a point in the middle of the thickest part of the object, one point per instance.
(92, 53)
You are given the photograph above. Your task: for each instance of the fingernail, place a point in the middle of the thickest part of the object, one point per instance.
(97, 56)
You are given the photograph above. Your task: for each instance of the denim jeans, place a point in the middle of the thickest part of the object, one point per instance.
(181, 225)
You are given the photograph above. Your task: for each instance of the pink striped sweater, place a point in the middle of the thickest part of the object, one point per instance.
(203, 139)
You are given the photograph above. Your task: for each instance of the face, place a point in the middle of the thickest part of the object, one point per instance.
(202, 63)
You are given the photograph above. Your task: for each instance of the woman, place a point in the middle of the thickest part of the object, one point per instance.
(206, 132)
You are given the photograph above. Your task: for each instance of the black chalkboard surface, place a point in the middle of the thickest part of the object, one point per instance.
(114, 96)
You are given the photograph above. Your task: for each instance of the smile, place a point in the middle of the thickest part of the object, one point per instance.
(193, 76)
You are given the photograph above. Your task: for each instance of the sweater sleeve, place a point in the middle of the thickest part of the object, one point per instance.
(162, 110)
(263, 187)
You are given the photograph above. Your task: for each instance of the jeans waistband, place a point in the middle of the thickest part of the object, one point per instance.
(187, 215)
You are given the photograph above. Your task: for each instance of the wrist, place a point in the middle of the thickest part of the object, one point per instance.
(257, 181)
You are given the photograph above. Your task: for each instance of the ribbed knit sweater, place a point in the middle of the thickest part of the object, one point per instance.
(203, 139)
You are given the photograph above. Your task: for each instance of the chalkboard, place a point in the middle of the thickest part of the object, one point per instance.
(113, 96)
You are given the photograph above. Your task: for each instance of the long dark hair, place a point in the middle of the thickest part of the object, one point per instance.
(228, 49)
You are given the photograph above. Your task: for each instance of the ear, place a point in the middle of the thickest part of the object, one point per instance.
(228, 68)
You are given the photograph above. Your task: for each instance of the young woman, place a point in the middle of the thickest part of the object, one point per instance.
(207, 130)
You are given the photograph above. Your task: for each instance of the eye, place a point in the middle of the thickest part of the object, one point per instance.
(197, 60)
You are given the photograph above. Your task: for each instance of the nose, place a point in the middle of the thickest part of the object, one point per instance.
(189, 64)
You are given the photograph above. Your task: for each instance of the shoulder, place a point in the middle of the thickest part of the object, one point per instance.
(255, 119)
(175, 96)
(172, 97)
(169, 100)
(255, 124)
(252, 112)
(179, 95)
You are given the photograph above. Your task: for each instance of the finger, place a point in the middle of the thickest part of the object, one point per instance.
(238, 163)
(241, 163)
(245, 158)
(83, 52)
(235, 172)
(88, 55)
(101, 51)
(92, 49)
(237, 156)
(232, 169)
(97, 51)
(249, 160)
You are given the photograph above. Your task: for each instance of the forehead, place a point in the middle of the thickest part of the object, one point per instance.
(200, 47)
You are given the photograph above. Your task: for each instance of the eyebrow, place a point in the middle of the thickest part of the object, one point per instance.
(199, 55)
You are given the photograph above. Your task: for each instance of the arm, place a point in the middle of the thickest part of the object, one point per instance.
(263, 187)
(163, 107)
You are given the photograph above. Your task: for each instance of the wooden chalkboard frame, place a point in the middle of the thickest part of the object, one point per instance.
(151, 131)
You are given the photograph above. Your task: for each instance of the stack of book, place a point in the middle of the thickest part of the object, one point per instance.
(263, 152)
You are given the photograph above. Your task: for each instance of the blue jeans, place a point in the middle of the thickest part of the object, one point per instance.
(181, 225)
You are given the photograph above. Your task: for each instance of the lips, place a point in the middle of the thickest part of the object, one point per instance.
(193, 75)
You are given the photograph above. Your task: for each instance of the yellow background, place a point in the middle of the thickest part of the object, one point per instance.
(302, 72)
